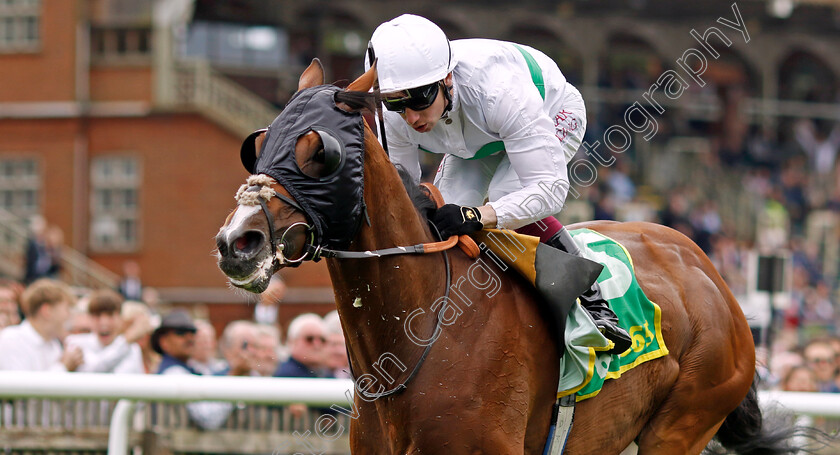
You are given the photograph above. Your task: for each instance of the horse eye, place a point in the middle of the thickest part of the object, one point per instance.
(332, 154)
(320, 156)
(326, 161)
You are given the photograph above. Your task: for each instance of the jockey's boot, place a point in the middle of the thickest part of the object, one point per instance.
(605, 318)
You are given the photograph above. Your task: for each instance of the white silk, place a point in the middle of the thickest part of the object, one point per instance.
(495, 99)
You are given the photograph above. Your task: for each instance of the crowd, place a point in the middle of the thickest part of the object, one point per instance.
(46, 326)
(752, 192)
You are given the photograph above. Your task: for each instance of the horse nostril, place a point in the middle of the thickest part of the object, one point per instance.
(221, 246)
(248, 244)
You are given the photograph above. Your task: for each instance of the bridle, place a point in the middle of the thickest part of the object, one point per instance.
(315, 253)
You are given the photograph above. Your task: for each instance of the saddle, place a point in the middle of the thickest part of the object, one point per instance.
(560, 277)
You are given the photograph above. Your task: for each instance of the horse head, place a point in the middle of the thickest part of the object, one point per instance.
(306, 188)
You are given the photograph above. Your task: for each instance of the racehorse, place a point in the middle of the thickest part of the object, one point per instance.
(487, 382)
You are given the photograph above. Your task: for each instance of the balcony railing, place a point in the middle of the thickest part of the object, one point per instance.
(234, 107)
(76, 268)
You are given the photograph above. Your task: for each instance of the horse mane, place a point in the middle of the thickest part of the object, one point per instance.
(419, 197)
(356, 99)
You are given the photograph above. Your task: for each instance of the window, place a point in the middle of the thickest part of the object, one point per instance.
(234, 45)
(115, 204)
(112, 43)
(20, 21)
(20, 184)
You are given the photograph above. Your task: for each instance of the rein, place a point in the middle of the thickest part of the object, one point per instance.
(435, 335)
(261, 192)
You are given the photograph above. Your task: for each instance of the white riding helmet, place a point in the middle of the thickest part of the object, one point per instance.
(411, 52)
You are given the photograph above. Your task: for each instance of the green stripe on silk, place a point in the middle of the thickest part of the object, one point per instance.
(536, 72)
(537, 78)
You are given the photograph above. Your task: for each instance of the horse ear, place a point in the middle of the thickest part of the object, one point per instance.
(312, 76)
(365, 81)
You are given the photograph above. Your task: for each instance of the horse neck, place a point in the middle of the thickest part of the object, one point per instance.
(375, 296)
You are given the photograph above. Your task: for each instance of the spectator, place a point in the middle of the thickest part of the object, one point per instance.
(40, 259)
(34, 344)
(237, 345)
(820, 142)
(336, 352)
(112, 346)
(80, 321)
(619, 183)
(130, 285)
(132, 310)
(204, 358)
(9, 307)
(175, 341)
(305, 342)
(266, 349)
(782, 363)
(306, 348)
(820, 356)
(676, 214)
(54, 238)
(151, 297)
(265, 312)
(800, 379)
(835, 343)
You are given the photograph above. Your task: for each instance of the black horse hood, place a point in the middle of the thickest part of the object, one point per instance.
(333, 203)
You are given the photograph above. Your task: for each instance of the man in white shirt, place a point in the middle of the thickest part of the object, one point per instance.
(507, 121)
(112, 345)
(34, 344)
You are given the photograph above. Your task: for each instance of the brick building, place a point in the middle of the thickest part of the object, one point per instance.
(128, 149)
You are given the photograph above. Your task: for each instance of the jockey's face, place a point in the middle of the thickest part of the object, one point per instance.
(425, 120)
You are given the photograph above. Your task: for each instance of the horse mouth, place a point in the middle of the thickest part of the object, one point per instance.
(256, 280)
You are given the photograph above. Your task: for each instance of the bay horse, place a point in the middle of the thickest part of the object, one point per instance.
(488, 382)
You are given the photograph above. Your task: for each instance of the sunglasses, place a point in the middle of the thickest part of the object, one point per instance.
(415, 99)
(821, 360)
(182, 332)
(311, 339)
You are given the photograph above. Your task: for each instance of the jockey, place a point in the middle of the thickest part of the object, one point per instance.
(507, 122)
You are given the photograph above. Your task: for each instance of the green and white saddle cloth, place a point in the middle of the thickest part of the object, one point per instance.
(585, 365)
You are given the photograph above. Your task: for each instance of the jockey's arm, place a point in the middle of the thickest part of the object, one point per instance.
(535, 153)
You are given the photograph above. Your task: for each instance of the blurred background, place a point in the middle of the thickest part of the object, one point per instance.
(121, 120)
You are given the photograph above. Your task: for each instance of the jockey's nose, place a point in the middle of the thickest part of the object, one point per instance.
(411, 116)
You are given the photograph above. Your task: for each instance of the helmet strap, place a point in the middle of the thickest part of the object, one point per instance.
(448, 97)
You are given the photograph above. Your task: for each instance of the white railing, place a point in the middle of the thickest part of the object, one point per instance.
(130, 389)
(275, 391)
(803, 403)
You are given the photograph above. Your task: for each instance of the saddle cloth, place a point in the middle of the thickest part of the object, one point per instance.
(584, 366)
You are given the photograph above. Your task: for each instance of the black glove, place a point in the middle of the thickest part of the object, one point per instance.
(452, 219)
